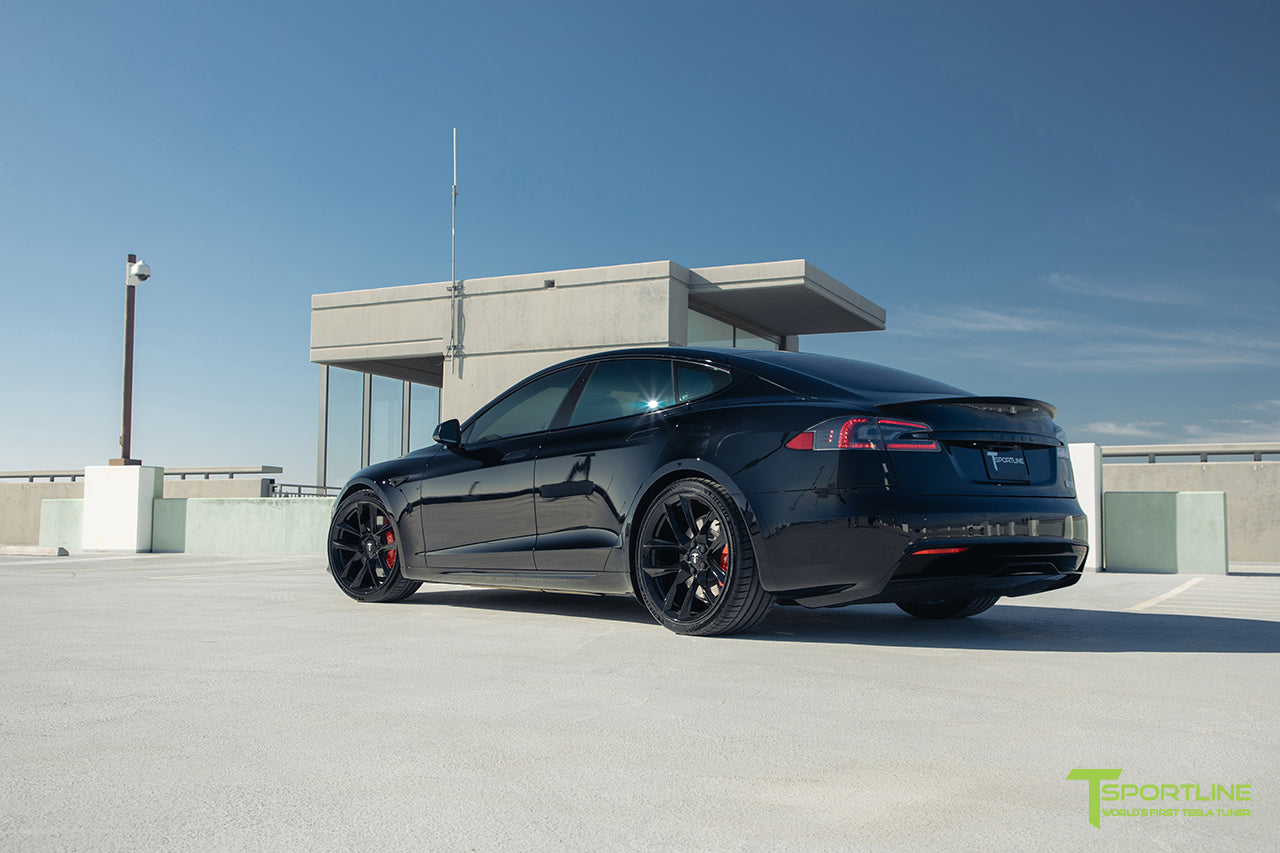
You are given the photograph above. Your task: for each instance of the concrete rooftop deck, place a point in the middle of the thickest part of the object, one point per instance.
(194, 702)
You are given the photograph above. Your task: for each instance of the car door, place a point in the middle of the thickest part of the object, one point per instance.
(589, 471)
(476, 503)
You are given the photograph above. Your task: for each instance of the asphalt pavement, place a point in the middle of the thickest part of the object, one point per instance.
(185, 702)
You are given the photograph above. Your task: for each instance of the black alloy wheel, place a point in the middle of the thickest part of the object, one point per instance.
(364, 552)
(949, 608)
(694, 567)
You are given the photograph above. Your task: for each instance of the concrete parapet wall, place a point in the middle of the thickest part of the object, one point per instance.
(235, 525)
(61, 523)
(21, 513)
(20, 509)
(243, 487)
(1253, 497)
(1165, 532)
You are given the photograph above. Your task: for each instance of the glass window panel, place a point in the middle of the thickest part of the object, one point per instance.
(694, 381)
(746, 340)
(346, 405)
(619, 389)
(424, 414)
(386, 419)
(527, 409)
(707, 331)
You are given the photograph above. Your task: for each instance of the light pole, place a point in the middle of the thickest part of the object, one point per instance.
(134, 274)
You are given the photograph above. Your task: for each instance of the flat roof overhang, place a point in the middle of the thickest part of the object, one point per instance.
(425, 370)
(785, 297)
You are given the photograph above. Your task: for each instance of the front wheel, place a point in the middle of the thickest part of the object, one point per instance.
(694, 567)
(364, 551)
(948, 608)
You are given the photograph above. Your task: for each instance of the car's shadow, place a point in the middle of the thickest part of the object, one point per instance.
(613, 608)
(1024, 628)
(1010, 628)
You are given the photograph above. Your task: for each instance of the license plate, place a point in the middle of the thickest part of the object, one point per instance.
(1007, 465)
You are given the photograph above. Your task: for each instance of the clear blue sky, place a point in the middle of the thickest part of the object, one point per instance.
(1073, 201)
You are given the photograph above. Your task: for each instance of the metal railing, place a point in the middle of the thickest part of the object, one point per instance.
(206, 473)
(1256, 450)
(294, 490)
(230, 472)
(42, 476)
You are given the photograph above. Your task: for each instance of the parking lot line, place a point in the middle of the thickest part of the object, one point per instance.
(1152, 602)
(235, 574)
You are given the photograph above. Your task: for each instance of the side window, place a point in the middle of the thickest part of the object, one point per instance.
(625, 387)
(527, 409)
(696, 380)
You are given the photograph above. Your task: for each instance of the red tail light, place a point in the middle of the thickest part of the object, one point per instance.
(904, 435)
(863, 432)
(928, 552)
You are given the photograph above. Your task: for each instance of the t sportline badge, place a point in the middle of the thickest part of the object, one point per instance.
(1173, 799)
(1009, 464)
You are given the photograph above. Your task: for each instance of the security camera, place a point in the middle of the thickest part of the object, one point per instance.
(139, 271)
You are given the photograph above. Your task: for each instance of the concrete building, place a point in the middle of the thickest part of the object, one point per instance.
(395, 360)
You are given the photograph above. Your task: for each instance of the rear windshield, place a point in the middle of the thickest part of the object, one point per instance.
(861, 376)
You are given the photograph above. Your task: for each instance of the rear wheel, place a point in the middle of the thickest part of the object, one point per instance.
(364, 551)
(948, 608)
(695, 570)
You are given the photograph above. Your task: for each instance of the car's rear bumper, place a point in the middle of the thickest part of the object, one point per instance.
(1007, 567)
(1008, 547)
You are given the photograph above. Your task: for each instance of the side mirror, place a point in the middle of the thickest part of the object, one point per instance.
(448, 433)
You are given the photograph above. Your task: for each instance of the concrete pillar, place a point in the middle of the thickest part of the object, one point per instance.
(118, 502)
(1086, 465)
(1166, 532)
(1202, 533)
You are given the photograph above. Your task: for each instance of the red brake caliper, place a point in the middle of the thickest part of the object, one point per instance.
(391, 555)
(724, 564)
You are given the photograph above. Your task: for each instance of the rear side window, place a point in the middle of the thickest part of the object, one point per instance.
(527, 409)
(619, 389)
(696, 380)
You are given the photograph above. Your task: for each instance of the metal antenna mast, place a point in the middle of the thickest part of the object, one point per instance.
(454, 289)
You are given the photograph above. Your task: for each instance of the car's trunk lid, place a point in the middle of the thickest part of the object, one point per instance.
(989, 445)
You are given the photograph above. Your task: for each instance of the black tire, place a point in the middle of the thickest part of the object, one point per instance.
(949, 608)
(693, 565)
(363, 555)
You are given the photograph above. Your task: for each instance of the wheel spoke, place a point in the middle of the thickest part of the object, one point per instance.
(659, 571)
(680, 578)
(338, 543)
(679, 526)
(347, 528)
(346, 568)
(686, 506)
(720, 575)
(687, 606)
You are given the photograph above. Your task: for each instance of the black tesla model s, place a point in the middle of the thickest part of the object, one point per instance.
(710, 483)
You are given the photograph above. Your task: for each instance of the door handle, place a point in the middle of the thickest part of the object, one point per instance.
(515, 455)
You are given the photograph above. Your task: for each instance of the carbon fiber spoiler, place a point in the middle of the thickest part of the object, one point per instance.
(1003, 405)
